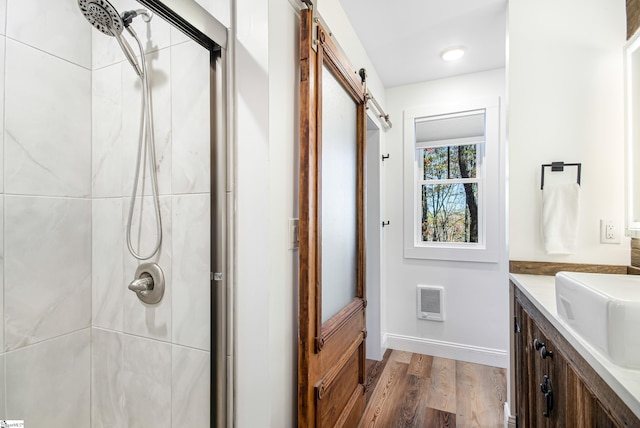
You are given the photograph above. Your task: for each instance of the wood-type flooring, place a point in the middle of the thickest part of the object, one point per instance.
(413, 390)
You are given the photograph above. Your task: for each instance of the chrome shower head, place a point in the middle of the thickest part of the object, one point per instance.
(102, 15)
(105, 18)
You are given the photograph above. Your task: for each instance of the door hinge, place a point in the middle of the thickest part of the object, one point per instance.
(516, 326)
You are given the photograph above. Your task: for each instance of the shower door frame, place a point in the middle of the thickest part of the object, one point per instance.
(198, 24)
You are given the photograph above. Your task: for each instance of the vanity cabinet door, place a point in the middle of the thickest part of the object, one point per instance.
(524, 368)
(583, 409)
(573, 404)
(532, 371)
(547, 381)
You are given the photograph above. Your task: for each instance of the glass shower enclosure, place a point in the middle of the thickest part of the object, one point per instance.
(77, 347)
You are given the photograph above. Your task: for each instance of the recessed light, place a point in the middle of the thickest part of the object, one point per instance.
(452, 54)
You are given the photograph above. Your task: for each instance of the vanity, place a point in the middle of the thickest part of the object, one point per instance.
(562, 379)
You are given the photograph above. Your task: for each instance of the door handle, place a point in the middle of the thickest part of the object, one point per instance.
(547, 391)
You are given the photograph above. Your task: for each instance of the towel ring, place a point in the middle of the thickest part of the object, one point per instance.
(558, 166)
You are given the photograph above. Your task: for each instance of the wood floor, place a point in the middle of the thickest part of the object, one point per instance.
(413, 390)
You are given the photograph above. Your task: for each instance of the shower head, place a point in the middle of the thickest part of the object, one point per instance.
(105, 18)
(102, 15)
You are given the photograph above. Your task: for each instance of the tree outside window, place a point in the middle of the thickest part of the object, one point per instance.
(449, 194)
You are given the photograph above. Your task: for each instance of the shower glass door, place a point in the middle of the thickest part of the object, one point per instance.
(77, 348)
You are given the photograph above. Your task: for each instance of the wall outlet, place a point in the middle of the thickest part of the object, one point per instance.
(609, 232)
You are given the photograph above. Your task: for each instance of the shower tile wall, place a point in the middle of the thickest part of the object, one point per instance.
(48, 383)
(3, 14)
(151, 362)
(69, 110)
(46, 214)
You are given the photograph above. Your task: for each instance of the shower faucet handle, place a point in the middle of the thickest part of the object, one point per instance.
(148, 283)
(142, 284)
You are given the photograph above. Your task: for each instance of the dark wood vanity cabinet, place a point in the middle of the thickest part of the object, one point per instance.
(555, 387)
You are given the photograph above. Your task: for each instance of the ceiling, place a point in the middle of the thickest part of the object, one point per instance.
(404, 38)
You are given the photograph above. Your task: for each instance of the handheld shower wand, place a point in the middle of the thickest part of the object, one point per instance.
(104, 17)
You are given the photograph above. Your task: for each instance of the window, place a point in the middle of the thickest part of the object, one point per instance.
(450, 183)
(449, 151)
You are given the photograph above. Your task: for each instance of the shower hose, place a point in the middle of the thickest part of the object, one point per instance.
(147, 141)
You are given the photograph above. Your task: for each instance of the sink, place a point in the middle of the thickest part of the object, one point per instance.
(603, 309)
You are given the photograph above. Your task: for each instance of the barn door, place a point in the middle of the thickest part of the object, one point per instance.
(332, 330)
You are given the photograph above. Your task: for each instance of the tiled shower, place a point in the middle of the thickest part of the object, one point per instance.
(78, 349)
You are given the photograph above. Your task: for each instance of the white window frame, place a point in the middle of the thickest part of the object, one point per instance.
(488, 178)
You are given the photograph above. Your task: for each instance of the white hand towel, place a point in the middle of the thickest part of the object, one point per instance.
(560, 217)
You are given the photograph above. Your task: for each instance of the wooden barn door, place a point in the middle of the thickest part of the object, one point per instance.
(331, 359)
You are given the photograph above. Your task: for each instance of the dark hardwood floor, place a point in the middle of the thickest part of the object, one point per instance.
(414, 390)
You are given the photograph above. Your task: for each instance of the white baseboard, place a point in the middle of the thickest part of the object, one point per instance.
(509, 419)
(442, 349)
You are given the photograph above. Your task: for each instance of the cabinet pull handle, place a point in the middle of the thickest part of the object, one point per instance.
(544, 353)
(547, 391)
(537, 344)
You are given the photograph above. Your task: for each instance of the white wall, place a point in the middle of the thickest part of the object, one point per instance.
(252, 311)
(337, 21)
(566, 104)
(374, 235)
(476, 307)
(283, 176)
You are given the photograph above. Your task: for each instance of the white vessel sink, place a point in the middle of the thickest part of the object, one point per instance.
(604, 309)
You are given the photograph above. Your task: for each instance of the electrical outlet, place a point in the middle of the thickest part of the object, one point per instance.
(609, 232)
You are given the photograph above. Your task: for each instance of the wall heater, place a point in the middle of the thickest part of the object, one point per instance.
(430, 302)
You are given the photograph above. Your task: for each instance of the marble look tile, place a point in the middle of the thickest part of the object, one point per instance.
(106, 132)
(159, 63)
(2, 61)
(153, 321)
(48, 384)
(178, 36)
(3, 17)
(146, 380)
(154, 35)
(108, 283)
(47, 289)
(190, 388)
(1, 275)
(107, 390)
(3, 409)
(191, 137)
(55, 26)
(191, 271)
(53, 157)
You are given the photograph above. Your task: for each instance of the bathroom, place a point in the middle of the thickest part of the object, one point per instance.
(569, 112)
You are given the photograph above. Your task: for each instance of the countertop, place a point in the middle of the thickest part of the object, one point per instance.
(540, 290)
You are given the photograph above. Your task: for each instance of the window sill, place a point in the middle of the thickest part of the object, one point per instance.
(478, 254)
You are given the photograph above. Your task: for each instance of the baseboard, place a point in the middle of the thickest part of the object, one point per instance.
(509, 419)
(454, 351)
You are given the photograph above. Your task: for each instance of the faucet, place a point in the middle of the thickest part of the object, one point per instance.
(148, 283)
(144, 283)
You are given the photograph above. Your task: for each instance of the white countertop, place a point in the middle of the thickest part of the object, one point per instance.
(540, 290)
